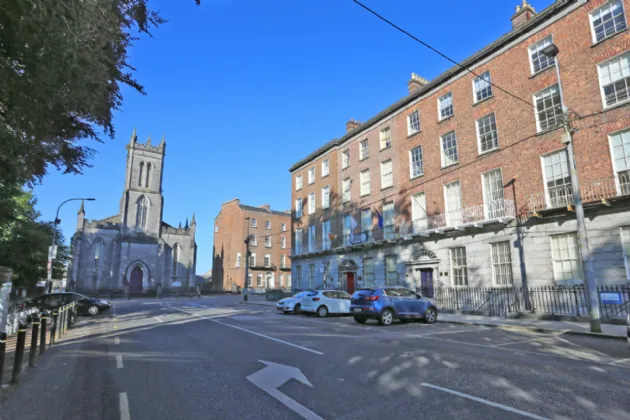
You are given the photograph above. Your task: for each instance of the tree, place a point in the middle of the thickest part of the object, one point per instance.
(62, 64)
(24, 244)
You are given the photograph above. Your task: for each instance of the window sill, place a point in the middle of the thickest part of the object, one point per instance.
(363, 158)
(345, 167)
(387, 188)
(416, 177)
(445, 119)
(413, 134)
(488, 152)
(610, 37)
(542, 71)
(365, 195)
(311, 183)
(449, 165)
(483, 100)
(549, 130)
(615, 106)
(385, 148)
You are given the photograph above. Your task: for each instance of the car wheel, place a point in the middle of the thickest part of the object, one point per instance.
(430, 316)
(386, 317)
(93, 310)
(297, 309)
(322, 311)
(360, 319)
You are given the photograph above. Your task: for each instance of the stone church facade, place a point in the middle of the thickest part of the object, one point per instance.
(135, 247)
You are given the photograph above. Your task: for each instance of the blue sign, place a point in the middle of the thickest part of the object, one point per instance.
(611, 298)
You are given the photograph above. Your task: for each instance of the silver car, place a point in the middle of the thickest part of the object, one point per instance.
(291, 304)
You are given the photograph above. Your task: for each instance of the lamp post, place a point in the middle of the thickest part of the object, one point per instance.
(245, 290)
(51, 251)
(589, 274)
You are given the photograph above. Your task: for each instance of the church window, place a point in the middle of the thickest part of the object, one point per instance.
(98, 248)
(175, 259)
(149, 167)
(140, 174)
(141, 216)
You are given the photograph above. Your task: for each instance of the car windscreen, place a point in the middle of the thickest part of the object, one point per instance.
(301, 294)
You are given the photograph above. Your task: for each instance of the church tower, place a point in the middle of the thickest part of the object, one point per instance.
(142, 202)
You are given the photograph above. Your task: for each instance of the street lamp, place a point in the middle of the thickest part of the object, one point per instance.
(589, 275)
(51, 251)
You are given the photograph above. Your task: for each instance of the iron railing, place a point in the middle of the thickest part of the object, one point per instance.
(552, 300)
(592, 192)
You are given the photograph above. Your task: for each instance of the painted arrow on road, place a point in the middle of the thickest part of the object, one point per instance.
(273, 376)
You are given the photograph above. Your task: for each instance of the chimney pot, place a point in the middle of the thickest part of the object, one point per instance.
(523, 14)
(416, 82)
(352, 124)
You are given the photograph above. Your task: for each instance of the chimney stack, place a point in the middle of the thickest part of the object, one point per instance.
(416, 82)
(523, 14)
(266, 207)
(352, 124)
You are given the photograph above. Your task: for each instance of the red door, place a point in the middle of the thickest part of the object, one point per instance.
(350, 278)
(135, 280)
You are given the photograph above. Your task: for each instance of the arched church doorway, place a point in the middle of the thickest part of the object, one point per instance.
(135, 280)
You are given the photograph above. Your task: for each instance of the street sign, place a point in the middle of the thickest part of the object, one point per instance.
(611, 298)
(52, 252)
(273, 376)
(177, 284)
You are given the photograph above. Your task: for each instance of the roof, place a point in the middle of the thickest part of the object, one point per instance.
(541, 17)
(263, 210)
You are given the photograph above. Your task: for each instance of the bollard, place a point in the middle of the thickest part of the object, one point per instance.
(71, 316)
(42, 337)
(34, 333)
(62, 321)
(3, 348)
(53, 329)
(19, 353)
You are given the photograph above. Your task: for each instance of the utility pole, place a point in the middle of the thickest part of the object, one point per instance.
(246, 262)
(585, 254)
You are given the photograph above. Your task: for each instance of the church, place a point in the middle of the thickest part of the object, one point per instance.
(135, 247)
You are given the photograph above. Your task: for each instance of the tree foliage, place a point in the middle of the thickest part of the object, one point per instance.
(62, 66)
(24, 244)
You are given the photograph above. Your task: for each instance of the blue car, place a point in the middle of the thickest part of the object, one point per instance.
(388, 303)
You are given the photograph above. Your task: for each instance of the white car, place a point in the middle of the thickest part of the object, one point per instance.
(291, 304)
(324, 302)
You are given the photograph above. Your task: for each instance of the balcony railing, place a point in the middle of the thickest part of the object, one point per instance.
(596, 191)
(475, 216)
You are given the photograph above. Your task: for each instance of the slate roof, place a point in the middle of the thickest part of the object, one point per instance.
(261, 210)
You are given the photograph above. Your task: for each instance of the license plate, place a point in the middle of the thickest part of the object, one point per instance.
(356, 309)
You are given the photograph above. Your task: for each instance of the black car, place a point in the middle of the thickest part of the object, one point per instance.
(85, 305)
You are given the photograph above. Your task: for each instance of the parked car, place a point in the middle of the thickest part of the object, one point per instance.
(292, 303)
(324, 302)
(388, 303)
(85, 305)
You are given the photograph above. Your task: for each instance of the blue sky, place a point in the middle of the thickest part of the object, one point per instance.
(243, 89)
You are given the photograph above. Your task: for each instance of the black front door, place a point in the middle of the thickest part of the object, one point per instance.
(426, 282)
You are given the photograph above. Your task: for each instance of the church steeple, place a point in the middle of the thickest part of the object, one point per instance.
(134, 137)
(149, 140)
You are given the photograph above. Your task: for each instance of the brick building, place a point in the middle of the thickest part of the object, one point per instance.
(462, 184)
(270, 247)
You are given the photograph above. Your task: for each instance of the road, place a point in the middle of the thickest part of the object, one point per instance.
(213, 358)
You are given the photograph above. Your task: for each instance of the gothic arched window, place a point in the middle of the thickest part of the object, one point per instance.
(175, 259)
(141, 215)
(140, 174)
(147, 182)
(98, 249)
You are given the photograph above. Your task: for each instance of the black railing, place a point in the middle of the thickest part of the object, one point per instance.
(553, 300)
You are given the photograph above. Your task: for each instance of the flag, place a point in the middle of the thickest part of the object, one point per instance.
(331, 236)
(353, 226)
(380, 219)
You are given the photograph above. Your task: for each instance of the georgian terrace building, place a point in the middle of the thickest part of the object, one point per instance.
(461, 184)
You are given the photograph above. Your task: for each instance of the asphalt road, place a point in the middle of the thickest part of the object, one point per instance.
(213, 358)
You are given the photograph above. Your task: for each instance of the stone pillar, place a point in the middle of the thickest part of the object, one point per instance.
(5, 293)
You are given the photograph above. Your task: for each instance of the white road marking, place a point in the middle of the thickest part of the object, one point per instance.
(123, 406)
(268, 337)
(445, 332)
(119, 361)
(619, 361)
(521, 341)
(158, 319)
(487, 402)
(116, 340)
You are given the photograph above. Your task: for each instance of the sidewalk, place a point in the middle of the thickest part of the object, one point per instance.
(615, 332)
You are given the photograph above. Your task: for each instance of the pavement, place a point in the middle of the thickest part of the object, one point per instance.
(616, 332)
(214, 358)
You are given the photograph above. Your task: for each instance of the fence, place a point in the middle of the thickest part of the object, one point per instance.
(553, 300)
